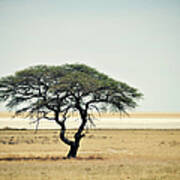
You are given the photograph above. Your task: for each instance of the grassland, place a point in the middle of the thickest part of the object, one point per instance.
(104, 154)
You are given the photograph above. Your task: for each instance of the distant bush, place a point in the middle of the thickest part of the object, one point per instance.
(12, 129)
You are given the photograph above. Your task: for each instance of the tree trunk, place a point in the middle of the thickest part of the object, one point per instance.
(73, 151)
(74, 145)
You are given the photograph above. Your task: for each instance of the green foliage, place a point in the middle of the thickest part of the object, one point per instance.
(43, 89)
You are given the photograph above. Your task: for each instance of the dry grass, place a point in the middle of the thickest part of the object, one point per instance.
(104, 154)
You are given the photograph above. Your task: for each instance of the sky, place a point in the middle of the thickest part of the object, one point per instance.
(134, 41)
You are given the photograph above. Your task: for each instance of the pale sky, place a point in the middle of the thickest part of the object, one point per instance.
(134, 41)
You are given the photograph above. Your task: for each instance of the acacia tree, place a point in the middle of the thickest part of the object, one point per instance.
(46, 92)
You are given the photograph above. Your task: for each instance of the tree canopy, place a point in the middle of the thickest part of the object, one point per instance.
(41, 90)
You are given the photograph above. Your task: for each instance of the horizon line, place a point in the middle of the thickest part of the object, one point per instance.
(6, 114)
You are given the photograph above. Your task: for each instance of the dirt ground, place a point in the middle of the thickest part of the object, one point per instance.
(104, 154)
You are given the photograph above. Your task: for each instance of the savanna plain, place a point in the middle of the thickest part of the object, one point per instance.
(103, 154)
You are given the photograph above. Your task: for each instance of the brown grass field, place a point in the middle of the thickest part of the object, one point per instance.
(104, 154)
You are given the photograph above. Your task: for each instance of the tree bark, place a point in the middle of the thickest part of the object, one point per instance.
(73, 151)
(74, 145)
(78, 136)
